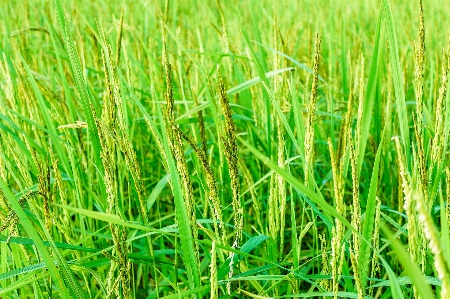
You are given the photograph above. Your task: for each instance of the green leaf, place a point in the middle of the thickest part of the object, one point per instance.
(411, 269)
(299, 64)
(251, 244)
(27, 241)
(371, 95)
(157, 191)
(31, 231)
(369, 217)
(249, 83)
(397, 77)
(110, 218)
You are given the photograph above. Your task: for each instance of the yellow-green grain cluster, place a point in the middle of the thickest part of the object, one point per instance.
(311, 115)
(177, 148)
(228, 138)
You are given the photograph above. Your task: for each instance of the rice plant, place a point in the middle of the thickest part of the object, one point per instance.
(224, 149)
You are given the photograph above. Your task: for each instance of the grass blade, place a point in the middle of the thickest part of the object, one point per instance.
(411, 269)
(31, 231)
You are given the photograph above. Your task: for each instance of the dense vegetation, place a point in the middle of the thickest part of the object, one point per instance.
(224, 149)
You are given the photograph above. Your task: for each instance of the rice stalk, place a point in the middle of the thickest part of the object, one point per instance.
(440, 108)
(124, 261)
(324, 283)
(375, 266)
(356, 223)
(311, 112)
(338, 230)
(343, 134)
(225, 39)
(213, 269)
(413, 224)
(45, 193)
(201, 124)
(231, 155)
(212, 192)
(228, 138)
(273, 215)
(432, 235)
(176, 146)
(281, 188)
(108, 155)
(280, 82)
(421, 156)
(361, 98)
(166, 11)
(419, 69)
(119, 39)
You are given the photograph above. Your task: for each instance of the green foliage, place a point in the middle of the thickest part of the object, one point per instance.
(214, 149)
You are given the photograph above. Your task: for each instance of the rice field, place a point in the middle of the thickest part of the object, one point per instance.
(224, 149)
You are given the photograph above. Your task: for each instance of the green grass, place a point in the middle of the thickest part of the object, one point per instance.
(119, 176)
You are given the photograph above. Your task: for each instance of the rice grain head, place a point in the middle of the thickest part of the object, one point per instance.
(311, 112)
